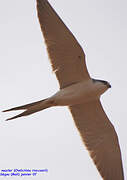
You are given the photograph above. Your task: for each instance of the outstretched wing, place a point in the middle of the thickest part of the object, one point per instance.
(100, 138)
(66, 55)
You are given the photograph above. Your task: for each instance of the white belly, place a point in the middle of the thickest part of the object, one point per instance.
(78, 93)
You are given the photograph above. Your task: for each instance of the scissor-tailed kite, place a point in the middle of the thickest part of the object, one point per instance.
(79, 92)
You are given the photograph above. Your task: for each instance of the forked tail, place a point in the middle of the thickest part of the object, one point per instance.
(30, 108)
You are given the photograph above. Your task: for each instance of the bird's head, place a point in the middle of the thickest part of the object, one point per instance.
(106, 83)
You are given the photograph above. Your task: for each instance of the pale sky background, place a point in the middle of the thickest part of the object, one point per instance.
(49, 139)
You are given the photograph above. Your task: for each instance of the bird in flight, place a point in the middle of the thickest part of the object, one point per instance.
(79, 92)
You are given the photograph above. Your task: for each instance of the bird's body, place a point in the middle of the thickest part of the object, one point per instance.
(79, 92)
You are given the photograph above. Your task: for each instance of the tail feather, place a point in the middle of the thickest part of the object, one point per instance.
(30, 108)
(24, 106)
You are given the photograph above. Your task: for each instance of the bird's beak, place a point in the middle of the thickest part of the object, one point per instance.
(109, 85)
